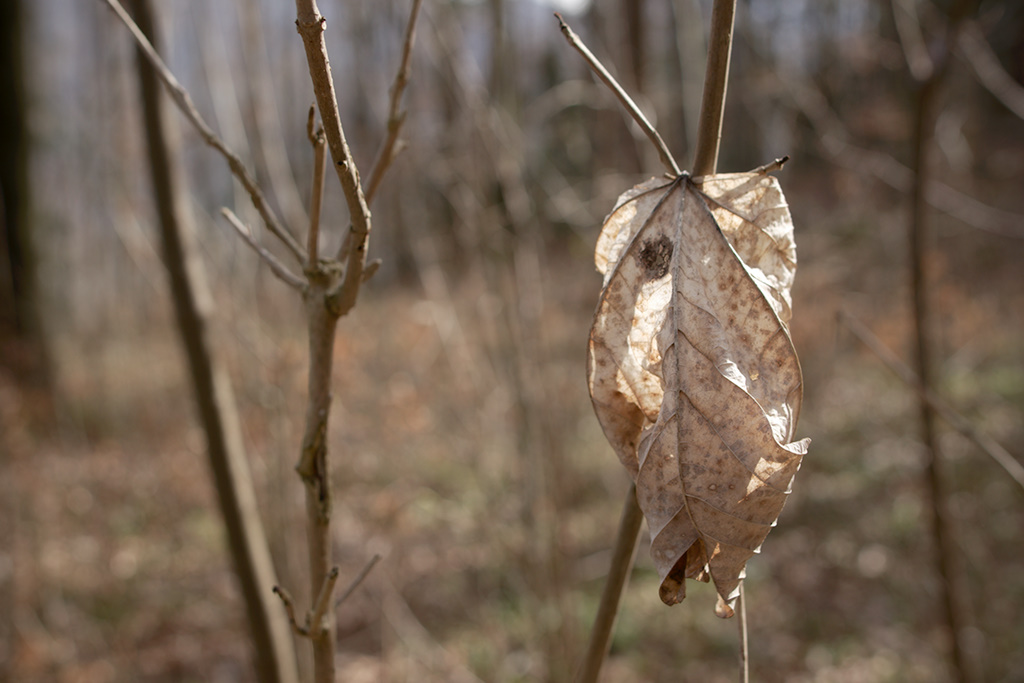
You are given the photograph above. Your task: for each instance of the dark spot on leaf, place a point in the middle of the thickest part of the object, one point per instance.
(655, 256)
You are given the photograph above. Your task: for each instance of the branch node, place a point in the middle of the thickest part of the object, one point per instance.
(319, 23)
(371, 269)
(310, 120)
(316, 618)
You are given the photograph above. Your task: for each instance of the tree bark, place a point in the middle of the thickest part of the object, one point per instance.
(274, 650)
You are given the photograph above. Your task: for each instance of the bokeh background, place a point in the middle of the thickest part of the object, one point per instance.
(466, 451)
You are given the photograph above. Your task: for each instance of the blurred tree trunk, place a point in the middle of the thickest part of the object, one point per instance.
(955, 590)
(22, 347)
(272, 640)
(24, 376)
(617, 151)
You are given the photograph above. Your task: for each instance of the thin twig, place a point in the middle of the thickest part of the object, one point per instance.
(765, 169)
(987, 444)
(289, 607)
(185, 104)
(319, 142)
(773, 166)
(389, 148)
(634, 111)
(276, 267)
(358, 580)
(320, 606)
(744, 643)
(618, 573)
(716, 77)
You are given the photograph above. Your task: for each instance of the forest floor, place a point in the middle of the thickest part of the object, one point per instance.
(493, 498)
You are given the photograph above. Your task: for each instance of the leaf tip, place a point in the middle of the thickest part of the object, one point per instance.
(672, 591)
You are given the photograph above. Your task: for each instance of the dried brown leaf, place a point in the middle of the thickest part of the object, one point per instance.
(692, 372)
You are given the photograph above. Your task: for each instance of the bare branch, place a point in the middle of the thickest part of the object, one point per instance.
(289, 607)
(773, 166)
(991, 73)
(276, 267)
(961, 424)
(744, 640)
(389, 148)
(358, 580)
(319, 142)
(663, 153)
(614, 586)
(322, 600)
(311, 24)
(185, 104)
(716, 77)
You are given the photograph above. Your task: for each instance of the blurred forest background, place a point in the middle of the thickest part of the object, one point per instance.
(466, 450)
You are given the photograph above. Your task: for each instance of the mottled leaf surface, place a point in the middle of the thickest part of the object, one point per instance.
(692, 371)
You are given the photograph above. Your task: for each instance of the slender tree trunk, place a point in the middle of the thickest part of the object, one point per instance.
(14, 304)
(948, 559)
(274, 651)
(315, 471)
(22, 343)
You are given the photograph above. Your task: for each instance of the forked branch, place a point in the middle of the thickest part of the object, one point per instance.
(311, 24)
